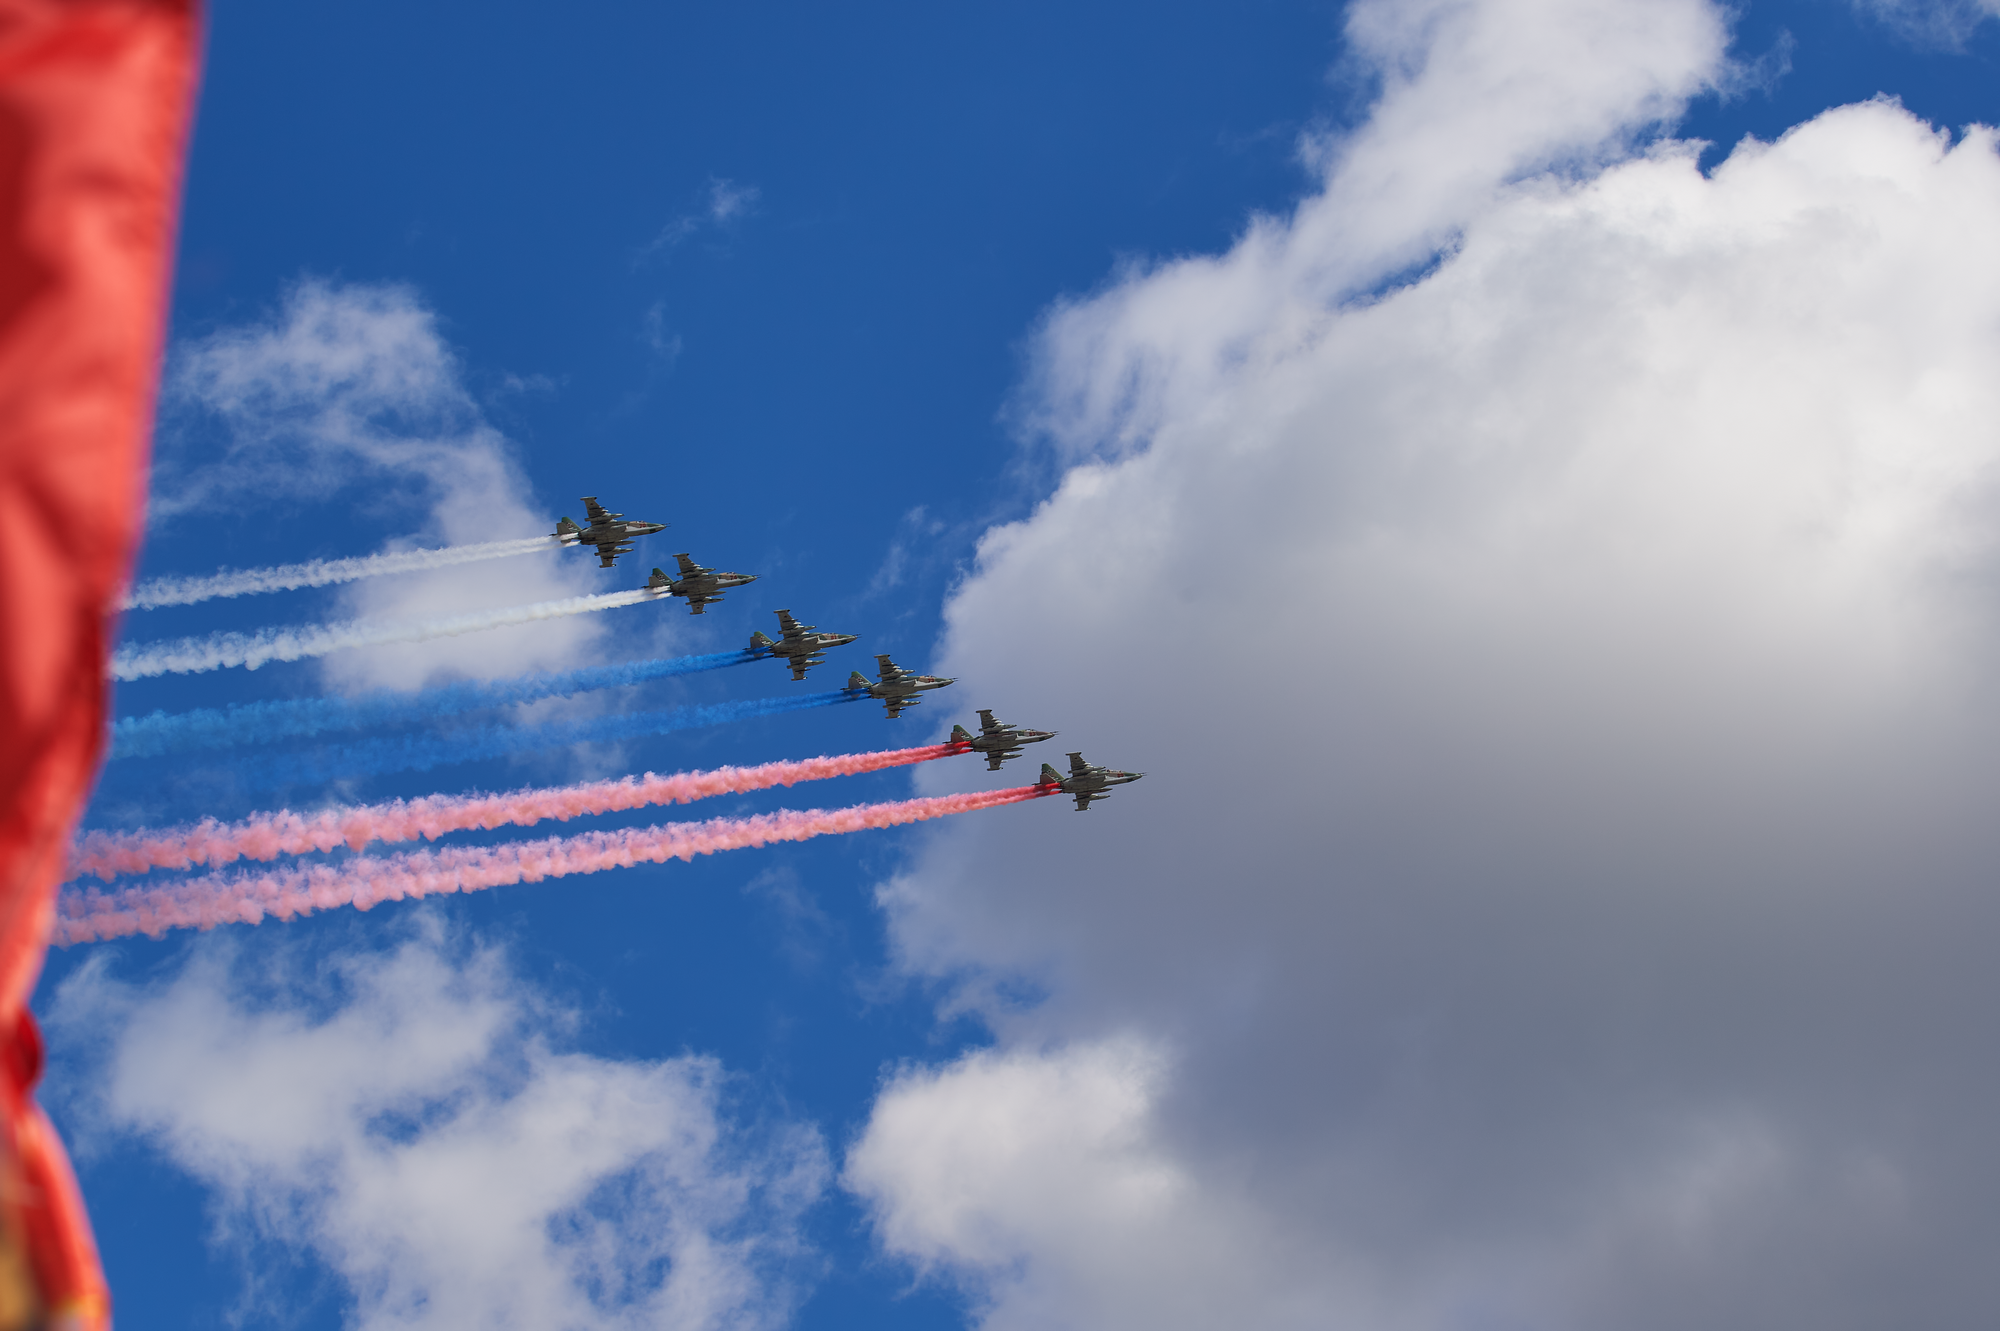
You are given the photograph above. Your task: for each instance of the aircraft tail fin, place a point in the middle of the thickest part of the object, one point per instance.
(658, 582)
(857, 680)
(960, 735)
(760, 643)
(1050, 776)
(567, 530)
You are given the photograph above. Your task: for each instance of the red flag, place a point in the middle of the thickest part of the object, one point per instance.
(95, 97)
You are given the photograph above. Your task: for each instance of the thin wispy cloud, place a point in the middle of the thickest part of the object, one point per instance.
(724, 201)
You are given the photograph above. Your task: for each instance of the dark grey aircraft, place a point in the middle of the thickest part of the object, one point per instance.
(897, 688)
(607, 531)
(1085, 781)
(996, 739)
(700, 585)
(797, 643)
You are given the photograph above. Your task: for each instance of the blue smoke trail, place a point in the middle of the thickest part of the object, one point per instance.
(420, 753)
(263, 722)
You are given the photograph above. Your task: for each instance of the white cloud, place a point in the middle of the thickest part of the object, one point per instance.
(1564, 683)
(1036, 1180)
(407, 1119)
(351, 393)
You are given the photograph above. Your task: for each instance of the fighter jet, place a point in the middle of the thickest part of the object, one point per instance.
(1085, 781)
(996, 739)
(797, 643)
(700, 585)
(607, 531)
(897, 688)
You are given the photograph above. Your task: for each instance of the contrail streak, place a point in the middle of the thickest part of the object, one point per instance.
(188, 656)
(420, 753)
(322, 572)
(264, 722)
(265, 836)
(362, 882)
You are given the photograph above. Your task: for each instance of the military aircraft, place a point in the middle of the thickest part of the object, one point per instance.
(607, 531)
(797, 643)
(897, 688)
(996, 739)
(700, 585)
(1085, 781)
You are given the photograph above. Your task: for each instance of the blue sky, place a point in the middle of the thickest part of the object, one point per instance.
(779, 275)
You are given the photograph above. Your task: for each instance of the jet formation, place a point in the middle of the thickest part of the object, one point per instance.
(701, 586)
(607, 531)
(801, 647)
(1085, 781)
(897, 688)
(998, 740)
(797, 644)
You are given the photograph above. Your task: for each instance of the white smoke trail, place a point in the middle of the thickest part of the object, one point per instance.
(323, 572)
(187, 656)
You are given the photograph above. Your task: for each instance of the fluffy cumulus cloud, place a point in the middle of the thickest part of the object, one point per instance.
(408, 1118)
(1561, 888)
(352, 391)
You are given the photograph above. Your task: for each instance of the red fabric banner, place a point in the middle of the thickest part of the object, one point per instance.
(95, 102)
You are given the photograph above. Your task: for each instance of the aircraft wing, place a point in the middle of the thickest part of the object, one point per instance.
(688, 567)
(607, 555)
(890, 670)
(598, 513)
(895, 706)
(1082, 801)
(790, 627)
(993, 760)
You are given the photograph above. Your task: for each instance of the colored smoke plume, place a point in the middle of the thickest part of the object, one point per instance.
(421, 752)
(265, 722)
(266, 836)
(362, 882)
(323, 572)
(186, 656)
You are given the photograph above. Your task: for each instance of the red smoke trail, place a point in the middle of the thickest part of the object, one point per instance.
(246, 898)
(266, 836)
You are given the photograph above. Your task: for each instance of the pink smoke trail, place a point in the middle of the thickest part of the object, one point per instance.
(362, 882)
(265, 836)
